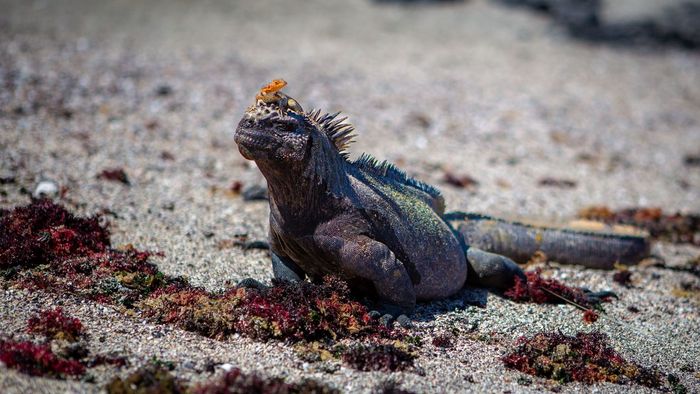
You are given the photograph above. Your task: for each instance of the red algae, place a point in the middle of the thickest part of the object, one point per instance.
(541, 291)
(381, 357)
(590, 316)
(155, 378)
(290, 311)
(49, 248)
(443, 340)
(390, 386)
(586, 357)
(237, 382)
(38, 360)
(460, 181)
(42, 232)
(54, 324)
(152, 379)
(676, 227)
(623, 277)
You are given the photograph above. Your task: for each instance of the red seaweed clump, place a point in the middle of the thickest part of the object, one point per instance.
(390, 386)
(587, 358)
(54, 324)
(550, 291)
(541, 291)
(237, 382)
(47, 247)
(461, 181)
(152, 378)
(676, 227)
(590, 316)
(157, 379)
(43, 232)
(443, 340)
(38, 360)
(382, 357)
(290, 311)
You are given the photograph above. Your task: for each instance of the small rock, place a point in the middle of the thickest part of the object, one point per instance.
(258, 244)
(116, 174)
(255, 193)
(46, 189)
(556, 182)
(692, 160)
(226, 367)
(7, 179)
(461, 181)
(164, 90)
(386, 320)
(188, 364)
(404, 321)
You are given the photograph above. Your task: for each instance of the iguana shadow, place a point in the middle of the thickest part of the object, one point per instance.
(465, 298)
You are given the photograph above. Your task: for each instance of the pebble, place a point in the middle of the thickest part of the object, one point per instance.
(46, 189)
(255, 192)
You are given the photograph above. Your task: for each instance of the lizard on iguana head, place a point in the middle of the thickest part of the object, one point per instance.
(372, 225)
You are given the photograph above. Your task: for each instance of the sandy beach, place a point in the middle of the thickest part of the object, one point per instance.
(471, 88)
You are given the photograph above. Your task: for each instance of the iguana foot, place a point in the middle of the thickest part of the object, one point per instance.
(492, 270)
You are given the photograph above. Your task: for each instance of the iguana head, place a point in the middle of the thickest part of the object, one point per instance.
(278, 134)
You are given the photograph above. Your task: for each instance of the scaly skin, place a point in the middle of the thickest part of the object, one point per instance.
(364, 220)
(520, 241)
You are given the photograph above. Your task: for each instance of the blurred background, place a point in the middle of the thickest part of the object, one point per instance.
(546, 106)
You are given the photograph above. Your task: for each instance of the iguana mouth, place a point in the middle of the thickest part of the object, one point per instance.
(249, 142)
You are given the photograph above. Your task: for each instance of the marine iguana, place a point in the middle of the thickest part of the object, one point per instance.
(382, 231)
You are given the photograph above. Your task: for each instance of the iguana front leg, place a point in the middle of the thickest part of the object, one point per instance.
(359, 256)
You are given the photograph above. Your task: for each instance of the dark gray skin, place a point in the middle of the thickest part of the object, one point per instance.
(520, 241)
(364, 221)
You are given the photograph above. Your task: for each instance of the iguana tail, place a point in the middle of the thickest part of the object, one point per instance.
(519, 241)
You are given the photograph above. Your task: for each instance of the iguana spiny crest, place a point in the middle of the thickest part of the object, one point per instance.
(279, 113)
